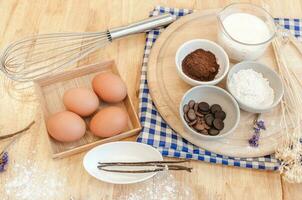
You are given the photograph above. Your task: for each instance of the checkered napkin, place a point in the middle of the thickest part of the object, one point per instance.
(157, 133)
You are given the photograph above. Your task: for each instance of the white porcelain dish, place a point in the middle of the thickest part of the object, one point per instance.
(273, 78)
(192, 45)
(212, 95)
(123, 152)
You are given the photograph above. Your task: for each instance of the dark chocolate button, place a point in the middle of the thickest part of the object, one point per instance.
(208, 115)
(186, 118)
(213, 132)
(195, 108)
(215, 107)
(218, 124)
(186, 108)
(199, 114)
(205, 112)
(220, 115)
(192, 122)
(206, 126)
(209, 119)
(199, 127)
(191, 103)
(191, 115)
(203, 107)
(205, 132)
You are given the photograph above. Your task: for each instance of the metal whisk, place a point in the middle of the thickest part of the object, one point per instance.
(36, 56)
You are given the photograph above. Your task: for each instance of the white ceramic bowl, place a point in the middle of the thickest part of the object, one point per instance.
(212, 95)
(268, 73)
(192, 45)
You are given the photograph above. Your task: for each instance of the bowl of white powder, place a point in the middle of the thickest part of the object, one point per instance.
(256, 87)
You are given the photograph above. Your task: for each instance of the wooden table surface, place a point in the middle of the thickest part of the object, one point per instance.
(30, 157)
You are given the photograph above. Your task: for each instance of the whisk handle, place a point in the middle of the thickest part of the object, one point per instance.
(141, 26)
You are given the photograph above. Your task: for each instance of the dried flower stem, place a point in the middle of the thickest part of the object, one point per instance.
(13, 136)
(18, 132)
(289, 151)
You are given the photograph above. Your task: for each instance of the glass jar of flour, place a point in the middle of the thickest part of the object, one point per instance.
(245, 30)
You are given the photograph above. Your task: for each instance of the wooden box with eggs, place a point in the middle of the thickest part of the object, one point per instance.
(85, 107)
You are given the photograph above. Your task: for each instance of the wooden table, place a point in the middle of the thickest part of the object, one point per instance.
(21, 18)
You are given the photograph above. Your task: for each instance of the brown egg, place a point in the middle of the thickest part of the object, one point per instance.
(81, 101)
(109, 121)
(66, 126)
(109, 87)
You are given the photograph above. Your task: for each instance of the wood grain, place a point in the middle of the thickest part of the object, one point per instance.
(21, 18)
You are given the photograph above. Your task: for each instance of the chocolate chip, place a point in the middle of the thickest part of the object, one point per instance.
(186, 118)
(192, 122)
(198, 119)
(218, 124)
(220, 115)
(195, 108)
(199, 127)
(213, 132)
(209, 119)
(203, 107)
(205, 132)
(186, 108)
(191, 115)
(204, 112)
(206, 126)
(191, 103)
(199, 114)
(208, 115)
(215, 107)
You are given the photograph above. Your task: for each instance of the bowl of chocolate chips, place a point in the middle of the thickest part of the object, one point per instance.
(201, 62)
(209, 112)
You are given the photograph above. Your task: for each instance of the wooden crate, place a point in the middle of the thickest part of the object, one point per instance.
(50, 90)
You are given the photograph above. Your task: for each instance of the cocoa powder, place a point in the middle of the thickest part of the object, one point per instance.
(200, 65)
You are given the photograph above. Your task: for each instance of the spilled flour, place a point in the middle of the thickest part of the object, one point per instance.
(32, 183)
(163, 187)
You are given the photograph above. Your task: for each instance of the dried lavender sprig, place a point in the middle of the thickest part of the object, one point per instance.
(254, 140)
(13, 137)
(257, 127)
(260, 124)
(3, 161)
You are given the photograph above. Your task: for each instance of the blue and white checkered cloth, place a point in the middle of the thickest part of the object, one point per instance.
(157, 133)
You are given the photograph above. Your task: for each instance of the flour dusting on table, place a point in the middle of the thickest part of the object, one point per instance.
(162, 187)
(33, 183)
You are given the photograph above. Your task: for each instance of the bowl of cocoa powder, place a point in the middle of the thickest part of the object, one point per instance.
(201, 62)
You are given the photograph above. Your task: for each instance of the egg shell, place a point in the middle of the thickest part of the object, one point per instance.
(109, 121)
(81, 101)
(66, 126)
(109, 87)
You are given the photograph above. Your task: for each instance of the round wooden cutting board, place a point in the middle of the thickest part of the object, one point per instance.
(167, 89)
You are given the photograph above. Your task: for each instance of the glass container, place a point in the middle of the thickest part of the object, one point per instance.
(243, 36)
